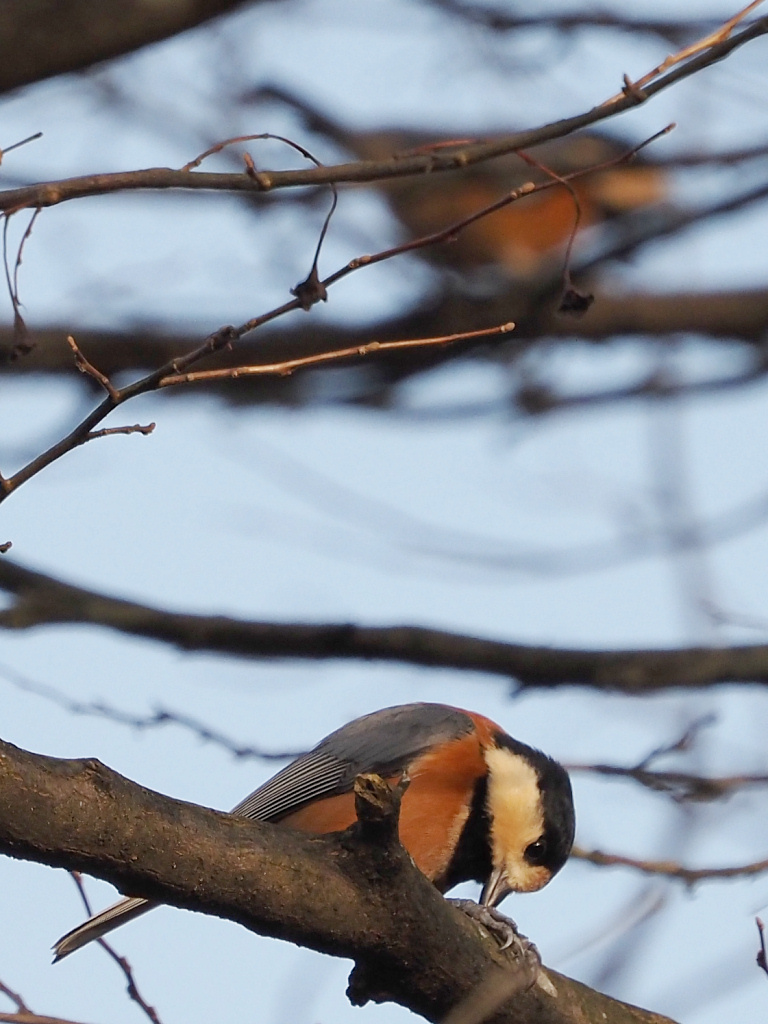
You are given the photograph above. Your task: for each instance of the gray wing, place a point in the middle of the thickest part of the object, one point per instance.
(384, 742)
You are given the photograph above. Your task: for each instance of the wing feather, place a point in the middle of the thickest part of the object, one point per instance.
(385, 742)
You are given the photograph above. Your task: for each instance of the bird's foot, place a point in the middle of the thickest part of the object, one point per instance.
(503, 928)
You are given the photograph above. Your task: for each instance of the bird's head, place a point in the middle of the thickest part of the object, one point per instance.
(530, 811)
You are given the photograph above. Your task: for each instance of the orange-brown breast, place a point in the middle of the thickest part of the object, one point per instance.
(434, 808)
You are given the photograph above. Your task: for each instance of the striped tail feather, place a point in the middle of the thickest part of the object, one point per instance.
(98, 925)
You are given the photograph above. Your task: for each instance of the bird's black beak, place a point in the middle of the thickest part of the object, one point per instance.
(495, 889)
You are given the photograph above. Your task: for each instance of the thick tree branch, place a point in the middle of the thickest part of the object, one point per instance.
(356, 894)
(42, 600)
(42, 38)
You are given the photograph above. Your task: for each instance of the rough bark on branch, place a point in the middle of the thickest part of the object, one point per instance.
(42, 38)
(354, 894)
(41, 600)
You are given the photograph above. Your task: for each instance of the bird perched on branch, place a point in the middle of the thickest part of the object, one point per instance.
(524, 238)
(480, 805)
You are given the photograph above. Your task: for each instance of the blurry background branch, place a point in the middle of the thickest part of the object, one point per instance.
(42, 38)
(41, 600)
(669, 869)
(681, 786)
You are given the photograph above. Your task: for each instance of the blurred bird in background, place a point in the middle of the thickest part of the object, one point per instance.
(526, 238)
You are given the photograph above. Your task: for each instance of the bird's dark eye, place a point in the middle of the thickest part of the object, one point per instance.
(536, 853)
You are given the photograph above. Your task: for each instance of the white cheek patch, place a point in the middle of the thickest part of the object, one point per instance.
(514, 806)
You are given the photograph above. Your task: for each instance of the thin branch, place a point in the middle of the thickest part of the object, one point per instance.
(289, 366)
(310, 290)
(85, 367)
(225, 337)
(121, 961)
(157, 719)
(32, 1018)
(17, 145)
(762, 961)
(670, 869)
(15, 998)
(713, 39)
(571, 300)
(436, 161)
(681, 786)
(137, 428)
(22, 339)
(496, 19)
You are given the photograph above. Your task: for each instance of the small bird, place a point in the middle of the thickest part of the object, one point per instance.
(481, 806)
(521, 240)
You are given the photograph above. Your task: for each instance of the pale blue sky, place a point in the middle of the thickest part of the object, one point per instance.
(220, 510)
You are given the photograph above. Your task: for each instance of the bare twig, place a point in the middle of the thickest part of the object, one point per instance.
(20, 252)
(22, 339)
(137, 428)
(762, 961)
(157, 719)
(121, 961)
(52, 193)
(670, 869)
(682, 787)
(571, 300)
(311, 289)
(708, 43)
(683, 743)
(435, 159)
(497, 19)
(289, 366)
(15, 998)
(85, 367)
(33, 1018)
(17, 145)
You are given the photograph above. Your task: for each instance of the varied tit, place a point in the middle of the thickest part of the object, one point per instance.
(481, 806)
